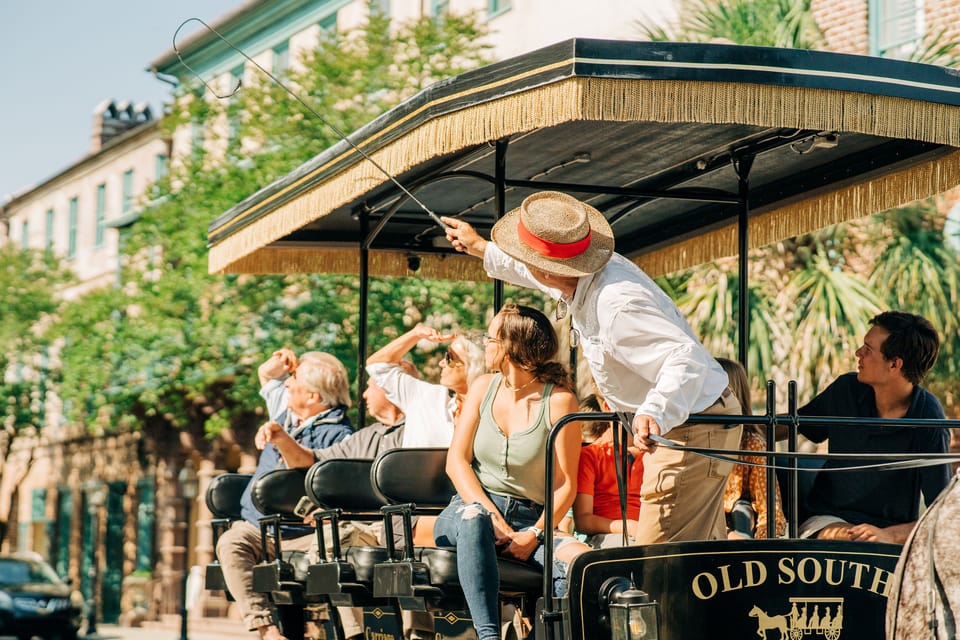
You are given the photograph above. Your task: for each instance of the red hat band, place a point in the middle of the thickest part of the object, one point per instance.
(548, 248)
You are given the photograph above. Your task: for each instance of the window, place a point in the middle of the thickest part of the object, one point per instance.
(161, 166)
(439, 7)
(127, 202)
(101, 215)
(495, 7)
(329, 23)
(281, 58)
(25, 234)
(383, 6)
(895, 27)
(72, 228)
(48, 231)
(196, 137)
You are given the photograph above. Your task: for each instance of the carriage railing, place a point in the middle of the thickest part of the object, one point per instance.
(771, 420)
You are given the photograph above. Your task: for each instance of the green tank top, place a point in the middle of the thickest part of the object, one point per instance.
(513, 466)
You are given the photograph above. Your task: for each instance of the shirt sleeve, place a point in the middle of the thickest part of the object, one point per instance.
(933, 479)
(645, 338)
(503, 267)
(822, 405)
(400, 387)
(587, 472)
(275, 394)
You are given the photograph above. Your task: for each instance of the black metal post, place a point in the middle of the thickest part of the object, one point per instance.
(92, 571)
(186, 569)
(500, 206)
(189, 489)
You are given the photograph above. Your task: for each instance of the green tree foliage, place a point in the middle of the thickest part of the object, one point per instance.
(772, 23)
(811, 297)
(176, 349)
(28, 285)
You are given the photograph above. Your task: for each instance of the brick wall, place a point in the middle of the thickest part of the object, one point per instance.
(844, 24)
(943, 14)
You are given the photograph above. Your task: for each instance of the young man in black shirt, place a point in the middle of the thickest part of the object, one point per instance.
(880, 506)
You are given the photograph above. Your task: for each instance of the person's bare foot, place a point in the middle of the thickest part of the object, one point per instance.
(271, 632)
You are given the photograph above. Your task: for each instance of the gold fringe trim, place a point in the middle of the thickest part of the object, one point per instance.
(277, 260)
(586, 99)
(879, 194)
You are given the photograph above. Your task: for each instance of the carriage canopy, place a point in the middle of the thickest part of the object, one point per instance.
(670, 141)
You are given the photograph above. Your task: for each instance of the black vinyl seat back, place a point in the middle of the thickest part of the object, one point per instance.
(344, 483)
(224, 492)
(414, 475)
(277, 492)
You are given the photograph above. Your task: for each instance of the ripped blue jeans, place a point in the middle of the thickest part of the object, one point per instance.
(468, 527)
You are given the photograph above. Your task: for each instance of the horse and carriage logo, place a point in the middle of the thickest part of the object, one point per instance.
(807, 616)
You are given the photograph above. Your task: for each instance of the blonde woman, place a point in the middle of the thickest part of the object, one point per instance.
(430, 408)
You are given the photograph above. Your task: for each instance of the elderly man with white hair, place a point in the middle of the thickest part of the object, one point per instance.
(310, 404)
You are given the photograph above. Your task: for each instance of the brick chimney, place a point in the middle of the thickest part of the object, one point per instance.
(112, 118)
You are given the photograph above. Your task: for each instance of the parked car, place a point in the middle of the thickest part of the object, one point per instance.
(34, 601)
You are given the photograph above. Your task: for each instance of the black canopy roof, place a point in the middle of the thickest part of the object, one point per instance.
(668, 140)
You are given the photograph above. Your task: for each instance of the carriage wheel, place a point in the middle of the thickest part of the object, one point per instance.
(796, 634)
(832, 634)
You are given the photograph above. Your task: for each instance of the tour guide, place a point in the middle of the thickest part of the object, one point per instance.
(642, 353)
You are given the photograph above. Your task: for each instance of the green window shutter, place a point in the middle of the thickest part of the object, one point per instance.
(86, 549)
(101, 215)
(38, 515)
(74, 214)
(64, 524)
(127, 191)
(25, 234)
(112, 580)
(161, 166)
(48, 231)
(329, 23)
(495, 7)
(894, 27)
(281, 58)
(146, 523)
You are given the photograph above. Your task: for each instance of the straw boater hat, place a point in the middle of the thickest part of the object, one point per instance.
(556, 233)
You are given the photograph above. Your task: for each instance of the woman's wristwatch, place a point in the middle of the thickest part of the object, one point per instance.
(538, 532)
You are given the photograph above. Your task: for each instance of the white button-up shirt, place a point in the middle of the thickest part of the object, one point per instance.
(642, 353)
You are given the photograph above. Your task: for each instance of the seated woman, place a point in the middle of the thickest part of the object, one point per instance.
(745, 496)
(596, 510)
(497, 463)
(430, 408)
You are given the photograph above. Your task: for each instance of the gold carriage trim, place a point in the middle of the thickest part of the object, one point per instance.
(248, 250)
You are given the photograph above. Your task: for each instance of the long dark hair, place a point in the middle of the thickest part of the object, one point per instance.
(527, 336)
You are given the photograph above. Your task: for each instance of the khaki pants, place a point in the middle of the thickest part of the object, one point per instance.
(682, 492)
(238, 550)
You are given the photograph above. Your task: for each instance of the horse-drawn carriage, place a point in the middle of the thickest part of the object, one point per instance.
(692, 152)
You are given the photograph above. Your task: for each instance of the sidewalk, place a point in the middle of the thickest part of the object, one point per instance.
(114, 632)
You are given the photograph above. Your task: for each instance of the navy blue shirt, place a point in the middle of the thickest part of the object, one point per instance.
(318, 432)
(880, 498)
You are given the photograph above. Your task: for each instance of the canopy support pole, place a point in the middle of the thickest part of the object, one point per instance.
(362, 324)
(500, 204)
(742, 166)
